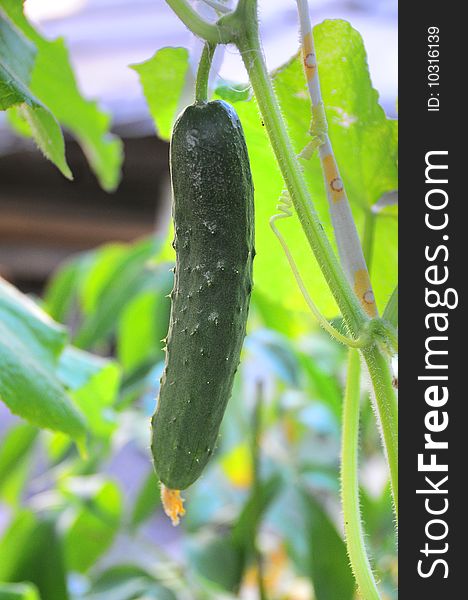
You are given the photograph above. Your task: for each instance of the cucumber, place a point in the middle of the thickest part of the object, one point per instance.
(213, 215)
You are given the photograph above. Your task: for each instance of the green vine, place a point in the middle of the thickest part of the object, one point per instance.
(350, 483)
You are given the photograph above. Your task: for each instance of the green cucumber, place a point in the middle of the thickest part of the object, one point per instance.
(213, 214)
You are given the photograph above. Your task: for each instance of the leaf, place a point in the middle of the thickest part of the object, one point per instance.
(144, 323)
(254, 509)
(93, 383)
(17, 59)
(162, 78)
(14, 452)
(53, 83)
(62, 288)
(128, 582)
(93, 522)
(327, 561)
(217, 560)
(30, 343)
(127, 273)
(276, 353)
(18, 591)
(314, 544)
(31, 550)
(147, 501)
(17, 56)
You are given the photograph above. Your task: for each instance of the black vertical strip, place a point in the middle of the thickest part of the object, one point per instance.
(432, 547)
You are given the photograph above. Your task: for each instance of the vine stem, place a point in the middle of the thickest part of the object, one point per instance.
(197, 25)
(350, 482)
(249, 46)
(201, 89)
(387, 411)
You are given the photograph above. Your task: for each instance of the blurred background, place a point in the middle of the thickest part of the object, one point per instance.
(78, 250)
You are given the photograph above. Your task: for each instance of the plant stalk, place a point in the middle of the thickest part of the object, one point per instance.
(249, 47)
(350, 483)
(203, 74)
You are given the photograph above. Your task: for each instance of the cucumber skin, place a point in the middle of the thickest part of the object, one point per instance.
(213, 214)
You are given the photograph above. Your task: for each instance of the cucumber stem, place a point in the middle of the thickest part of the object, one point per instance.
(203, 74)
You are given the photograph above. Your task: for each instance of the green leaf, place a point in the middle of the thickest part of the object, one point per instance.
(17, 56)
(31, 550)
(217, 560)
(93, 521)
(14, 453)
(17, 59)
(327, 561)
(391, 310)
(53, 83)
(30, 343)
(62, 288)
(147, 501)
(258, 503)
(119, 278)
(18, 591)
(128, 582)
(163, 78)
(233, 92)
(93, 383)
(314, 544)
(144, 323)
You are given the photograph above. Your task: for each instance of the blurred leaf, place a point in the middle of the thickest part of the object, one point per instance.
(93, 383)
(254, 509)
(17, 58)
(53, 83)
(18, 591)
(144, 323)
(327, 561)
(377, 515)
(30, 343)
(148, 500)
(277, 353)
(313, 542)
(128, 273)
(322, 386)
(61, 290)
(162, 78)
(127, 582)
(14, 453)
(391, 310)
(93, 522)
(217, 560)
(103, 265)
(30, 550)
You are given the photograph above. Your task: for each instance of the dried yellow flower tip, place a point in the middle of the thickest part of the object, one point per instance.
(173, 504)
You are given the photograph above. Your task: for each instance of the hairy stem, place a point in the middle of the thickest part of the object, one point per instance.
(387, 410)
(350, 483)
(249, 46)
